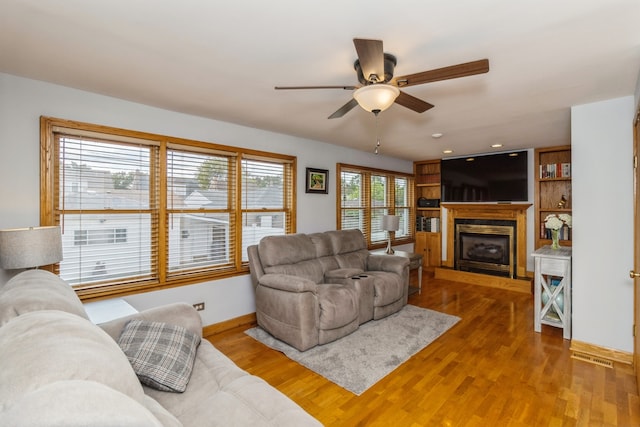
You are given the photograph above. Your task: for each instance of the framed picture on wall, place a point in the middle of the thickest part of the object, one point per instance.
(317, 181)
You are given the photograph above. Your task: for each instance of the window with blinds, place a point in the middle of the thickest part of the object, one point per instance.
(403, 194)
(267, 199)
(367, 194)
(141, 211)
(106, 208)
(200, 208)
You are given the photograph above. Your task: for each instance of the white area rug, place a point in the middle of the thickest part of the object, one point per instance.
(359, 360)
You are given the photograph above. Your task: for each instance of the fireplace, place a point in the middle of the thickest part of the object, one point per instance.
(489, 244)
(485, 246)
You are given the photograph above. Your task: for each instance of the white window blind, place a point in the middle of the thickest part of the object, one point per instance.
(200, 195)
(106, 209)
(367, 194)
(379, 207)
(402, 208)
(141, 211)
(352, 201)
(266, 200)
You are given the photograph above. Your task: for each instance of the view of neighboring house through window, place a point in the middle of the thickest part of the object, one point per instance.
(141, 210)
(265, 200)
(367, 194)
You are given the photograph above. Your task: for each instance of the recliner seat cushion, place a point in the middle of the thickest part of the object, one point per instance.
(338, 305)
(388, 287)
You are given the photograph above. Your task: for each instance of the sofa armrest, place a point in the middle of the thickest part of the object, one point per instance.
(285, 282)
(179, 313)
(391, 264)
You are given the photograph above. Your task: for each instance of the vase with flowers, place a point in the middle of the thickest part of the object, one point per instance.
(554, 222)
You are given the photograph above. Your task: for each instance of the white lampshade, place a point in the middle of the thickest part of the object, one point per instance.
(30, 247)
(377, 97)
(390, 222)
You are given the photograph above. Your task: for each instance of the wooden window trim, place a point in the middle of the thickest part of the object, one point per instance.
(49, 126)
(367, 172)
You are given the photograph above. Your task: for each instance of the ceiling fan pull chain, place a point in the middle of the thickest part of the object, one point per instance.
(375, 112)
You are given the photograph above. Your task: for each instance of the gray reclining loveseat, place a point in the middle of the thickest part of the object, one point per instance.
(315, 288)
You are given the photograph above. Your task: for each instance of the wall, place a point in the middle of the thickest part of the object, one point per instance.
(602, 171)
(23, 101)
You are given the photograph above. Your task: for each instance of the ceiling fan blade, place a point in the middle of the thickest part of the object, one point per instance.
(315, 87)
(446, 73)
(371, 58)
(344, 109)
(413, 103)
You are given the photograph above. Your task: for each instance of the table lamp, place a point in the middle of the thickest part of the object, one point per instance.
(390, 223)
(30, 247)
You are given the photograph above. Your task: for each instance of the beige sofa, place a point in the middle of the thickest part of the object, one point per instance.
(312, 289)
(59, 369)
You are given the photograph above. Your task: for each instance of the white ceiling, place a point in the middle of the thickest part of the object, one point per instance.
(222, 59)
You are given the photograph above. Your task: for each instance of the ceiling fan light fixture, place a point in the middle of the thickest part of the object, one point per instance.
(376, 97)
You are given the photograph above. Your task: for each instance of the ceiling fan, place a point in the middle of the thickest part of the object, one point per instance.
(379, 89)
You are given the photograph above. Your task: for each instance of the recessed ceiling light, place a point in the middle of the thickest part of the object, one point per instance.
(496, 145)
(436, 135)
(447, 151)
(470, 159)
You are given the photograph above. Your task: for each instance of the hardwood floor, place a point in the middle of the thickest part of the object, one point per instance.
(491, 369)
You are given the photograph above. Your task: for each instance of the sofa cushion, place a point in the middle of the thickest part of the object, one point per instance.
(323, 244)
(338, 305)
(166, 418)
(77, 403)
(311, 270)
(161, 354)
(388, 287)
(289, 249)
(43, 347)
(222, 394)
(344, 241)
(356, 259)
(33, 290)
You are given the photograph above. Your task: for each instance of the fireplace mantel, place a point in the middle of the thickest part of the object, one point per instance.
(502, 211)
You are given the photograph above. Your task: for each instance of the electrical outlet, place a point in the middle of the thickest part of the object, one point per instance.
(199, 306)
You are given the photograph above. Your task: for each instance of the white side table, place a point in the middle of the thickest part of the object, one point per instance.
(106, 310)
(552, 293)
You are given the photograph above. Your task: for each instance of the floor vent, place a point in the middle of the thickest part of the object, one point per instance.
(600, 361)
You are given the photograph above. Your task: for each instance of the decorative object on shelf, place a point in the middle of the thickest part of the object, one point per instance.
(552, 192)
(555, 239)
(559, 300)
(317, 181)
(563, 202)
(428, 203)
(30, 247)
(390, 223)
(555, 222)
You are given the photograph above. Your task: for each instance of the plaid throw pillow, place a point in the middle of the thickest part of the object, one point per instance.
(162, 355)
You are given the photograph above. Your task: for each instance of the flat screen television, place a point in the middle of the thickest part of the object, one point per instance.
(500, 177)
